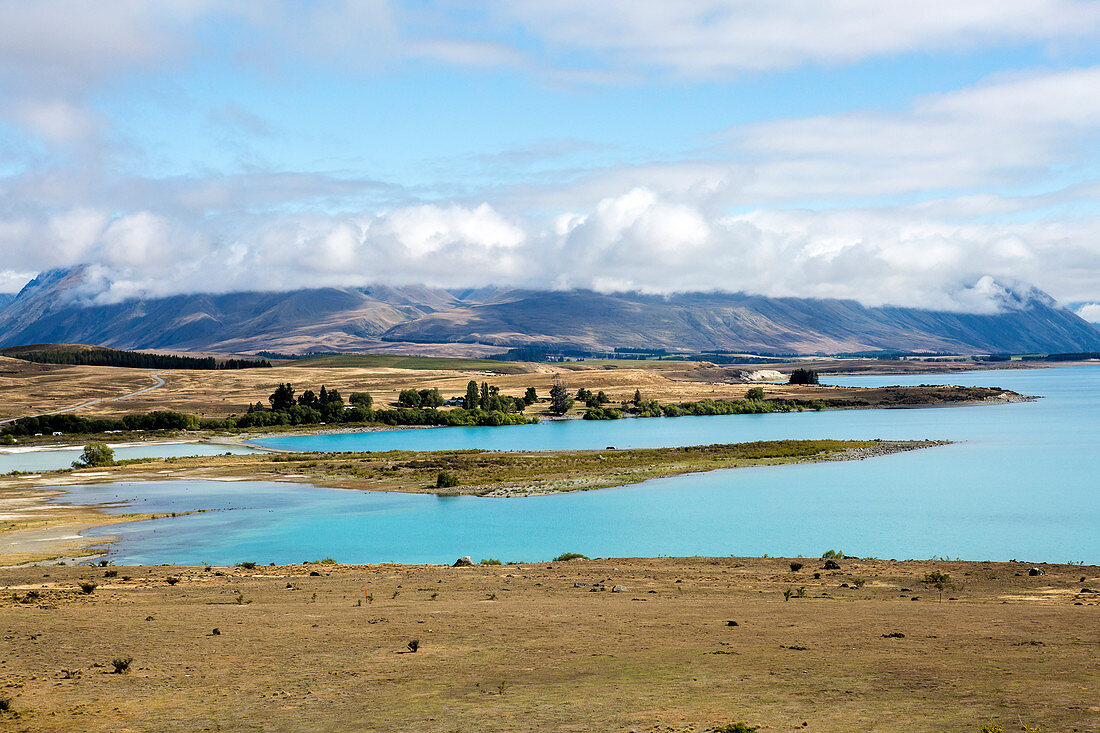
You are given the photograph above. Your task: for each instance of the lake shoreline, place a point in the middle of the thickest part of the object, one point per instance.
(525, 474)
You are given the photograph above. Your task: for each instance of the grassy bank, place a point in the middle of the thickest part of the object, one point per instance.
(476, 472)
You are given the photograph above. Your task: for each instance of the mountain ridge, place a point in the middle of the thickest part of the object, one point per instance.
(59, 306)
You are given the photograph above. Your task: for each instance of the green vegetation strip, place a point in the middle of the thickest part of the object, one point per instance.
(499, 474)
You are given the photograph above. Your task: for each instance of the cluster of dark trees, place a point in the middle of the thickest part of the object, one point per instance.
(420, 398)
(488, 397)
(74, 424)
(133, 359)
(416, 407)
(803, 376)
(308, 408)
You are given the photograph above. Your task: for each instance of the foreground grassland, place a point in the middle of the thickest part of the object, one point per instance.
(684, 645)
(32, 528)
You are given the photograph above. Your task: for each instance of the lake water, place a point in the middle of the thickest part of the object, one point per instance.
(54, 459)
(1023, 482)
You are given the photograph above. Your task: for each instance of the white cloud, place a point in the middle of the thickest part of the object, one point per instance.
(1090, 312)
(707, 38)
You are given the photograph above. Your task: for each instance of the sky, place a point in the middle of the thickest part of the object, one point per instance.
(940, 154)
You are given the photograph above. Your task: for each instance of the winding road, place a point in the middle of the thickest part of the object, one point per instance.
(159, 383)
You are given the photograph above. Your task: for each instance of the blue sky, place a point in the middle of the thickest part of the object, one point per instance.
(932, 155)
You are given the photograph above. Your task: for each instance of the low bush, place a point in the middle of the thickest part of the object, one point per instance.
(87, 587)
(121, 664)
(414, 645)
(795, 567)
(566, 556)
(446, 480)
(490, 561)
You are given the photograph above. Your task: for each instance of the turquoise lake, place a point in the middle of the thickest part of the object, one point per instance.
(1022, 482)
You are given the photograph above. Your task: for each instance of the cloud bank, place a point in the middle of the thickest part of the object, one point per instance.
(938, 203)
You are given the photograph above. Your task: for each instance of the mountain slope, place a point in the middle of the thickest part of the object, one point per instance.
(59, 306)
(51, 309)
(700, 321)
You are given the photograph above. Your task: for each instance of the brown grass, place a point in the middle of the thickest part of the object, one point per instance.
(221, 393)
(305, 652)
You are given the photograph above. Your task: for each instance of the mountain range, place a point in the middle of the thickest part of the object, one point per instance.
(58, 306)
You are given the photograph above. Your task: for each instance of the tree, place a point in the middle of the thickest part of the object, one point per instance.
(483, 403)
(409, 398)
(530, 397)
(309, 399)
(803, 376)
(282, 398)
(756, 393)
(637, 397)
(431, 397)
(560, 401)
(602, 398)
(471, 395)
(95, 455)
(361, 399)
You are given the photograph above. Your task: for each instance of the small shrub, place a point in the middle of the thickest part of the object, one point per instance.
(937, 577)
(446, 480)
(991, 728)
(755, 393)
(566, 556)
(795, 567)
(490, 561)
(327, 561)
(859, 582)
(5, 704)
(87, 587)
(110, 573)
(246, 565)
(414, 645)
(833, 555)
(396, 593)
(121, 664)
(172, 580)
(738, 727)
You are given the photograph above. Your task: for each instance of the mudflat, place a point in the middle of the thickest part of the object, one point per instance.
(619, 644)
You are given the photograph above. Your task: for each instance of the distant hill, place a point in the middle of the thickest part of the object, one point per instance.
(58, 307)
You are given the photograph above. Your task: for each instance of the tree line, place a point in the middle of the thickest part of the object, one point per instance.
(131, 359)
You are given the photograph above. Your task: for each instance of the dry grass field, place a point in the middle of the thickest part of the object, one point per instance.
(552, 646)
(27, 389)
